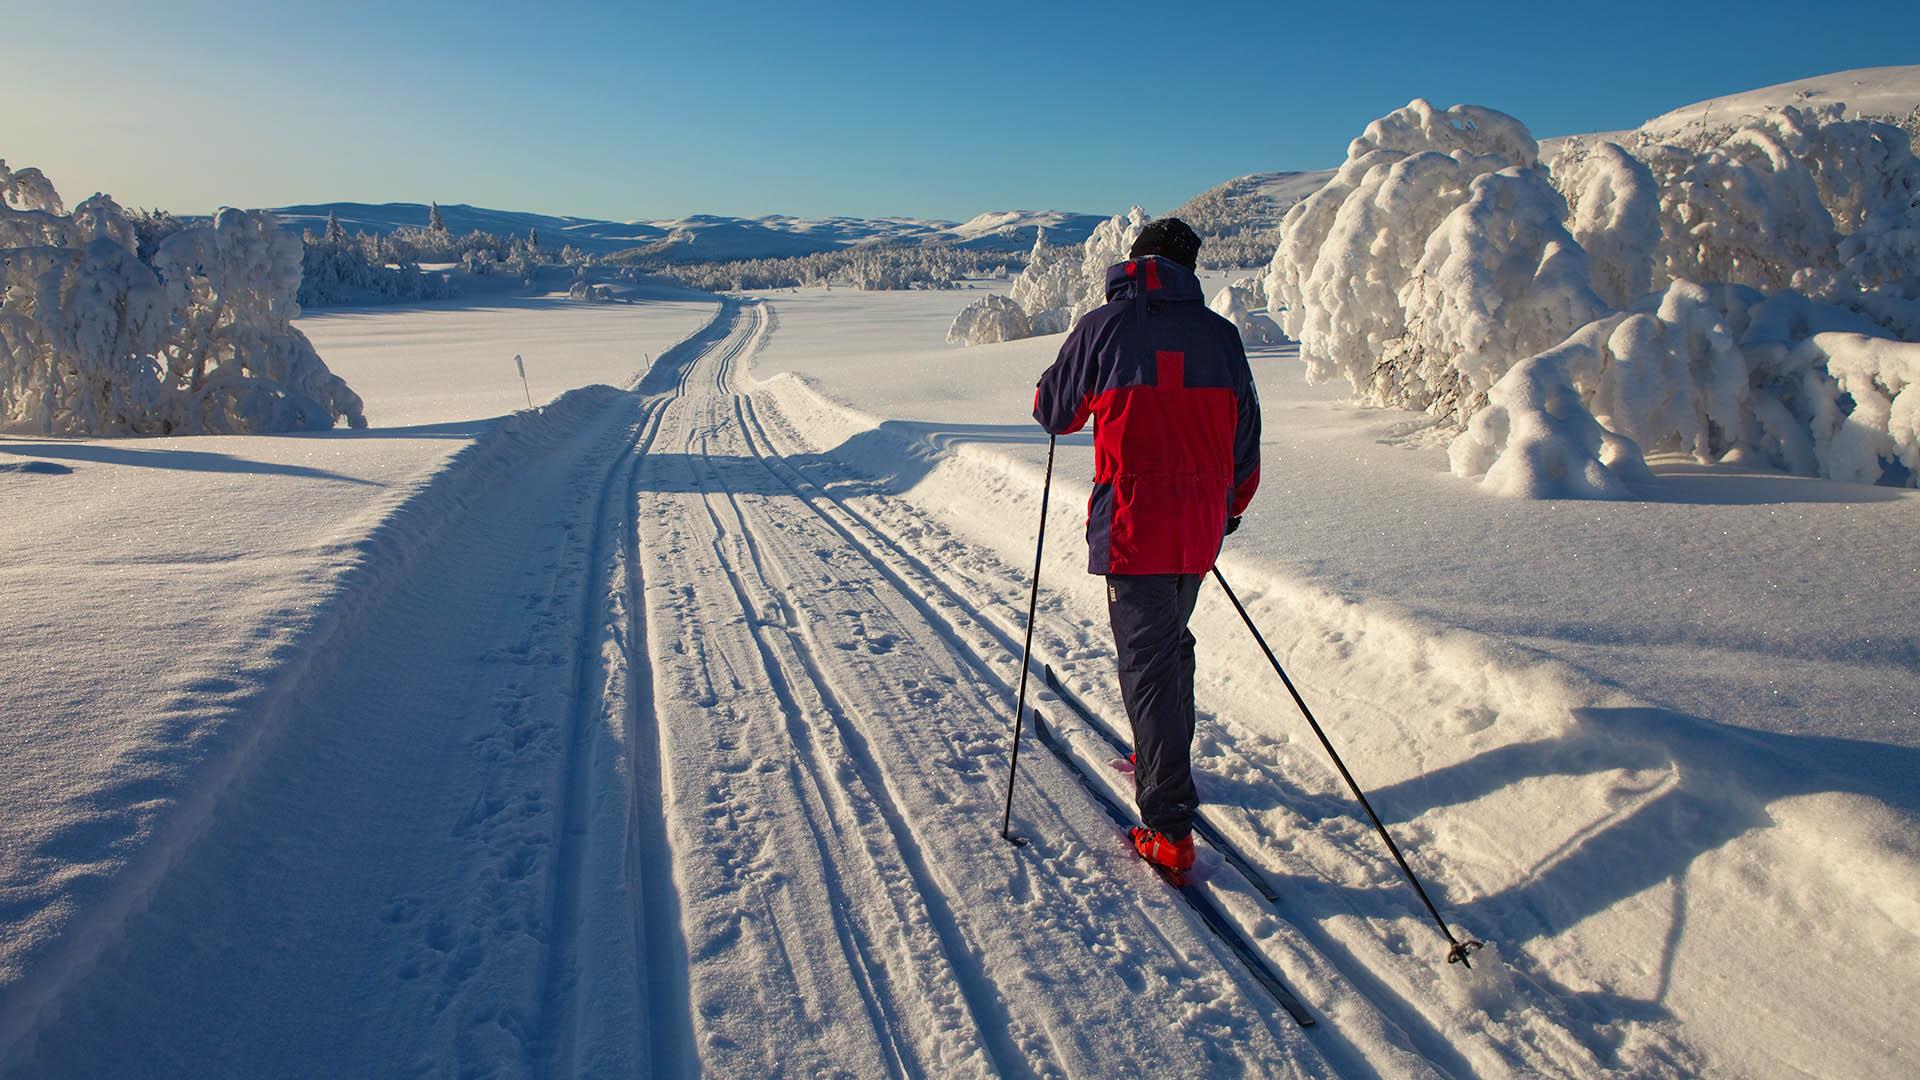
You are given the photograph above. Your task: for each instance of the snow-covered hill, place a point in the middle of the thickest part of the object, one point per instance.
(708, 237)
(587, 234)
(1881, 93)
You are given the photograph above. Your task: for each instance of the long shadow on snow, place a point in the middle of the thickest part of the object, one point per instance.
(1720, 781)
(890, 459)
(184, 460)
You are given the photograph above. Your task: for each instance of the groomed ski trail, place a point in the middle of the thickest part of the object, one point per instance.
(835, 771)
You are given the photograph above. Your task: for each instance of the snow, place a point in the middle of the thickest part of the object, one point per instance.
(1875, 92)
(1625, 762)
(195, 339)
(662, 728)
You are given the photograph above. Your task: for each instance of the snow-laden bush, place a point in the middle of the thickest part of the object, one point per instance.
(1349, 253)
(1440, 270)
(1614, 208)
(1724, 373)
(94, 341)
(1238, 305)
(1878, 376)
(1500, 278)
(1792, 198)
(1061, 284)
(991, 319)
(1536, 438)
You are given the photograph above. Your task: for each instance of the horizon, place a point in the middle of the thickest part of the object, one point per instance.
(658, 116)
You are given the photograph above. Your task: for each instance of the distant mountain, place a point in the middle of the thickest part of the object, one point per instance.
(1014, 230)
(708, 237)
(587, 234)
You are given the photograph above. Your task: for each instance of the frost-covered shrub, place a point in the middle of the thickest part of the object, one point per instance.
(1500, 278)
(1238, 305)
(990, 319)
(95, 341)
(1537, 440)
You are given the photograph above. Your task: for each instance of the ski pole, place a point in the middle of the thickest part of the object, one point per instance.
(1026, 651)
(1459, 950)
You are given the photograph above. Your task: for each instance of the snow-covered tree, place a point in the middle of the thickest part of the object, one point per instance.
(990, 319)
(1061, 284)
(1614, 205)
(1500, 278)
(435, 223)
(95, 341)
(1238, 304)
(1440, 270)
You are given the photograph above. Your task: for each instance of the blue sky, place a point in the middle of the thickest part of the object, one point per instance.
(637, 110)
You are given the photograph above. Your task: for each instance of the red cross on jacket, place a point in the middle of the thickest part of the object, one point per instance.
(1176, 422)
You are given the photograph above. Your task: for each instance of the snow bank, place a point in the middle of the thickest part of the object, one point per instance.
(95, 341)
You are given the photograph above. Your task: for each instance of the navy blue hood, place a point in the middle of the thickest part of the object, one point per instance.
(1152, 277)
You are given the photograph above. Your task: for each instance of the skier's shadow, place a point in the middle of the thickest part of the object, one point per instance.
(888, 460)
(1713, 783)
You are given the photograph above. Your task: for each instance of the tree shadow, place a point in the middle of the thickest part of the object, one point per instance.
(186, 460)
(1688, 484)
(36, 468)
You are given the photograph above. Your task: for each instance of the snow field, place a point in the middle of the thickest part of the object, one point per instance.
(220, 575)
(1628, 858)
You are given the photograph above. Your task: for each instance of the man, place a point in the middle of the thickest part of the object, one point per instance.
(1176, 451)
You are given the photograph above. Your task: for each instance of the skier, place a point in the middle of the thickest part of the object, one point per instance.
(1176, 451)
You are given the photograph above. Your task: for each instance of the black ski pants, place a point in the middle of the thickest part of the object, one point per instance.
(1149, 613)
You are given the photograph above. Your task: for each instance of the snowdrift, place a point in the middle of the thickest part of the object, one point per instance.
(197, 337)
(1568, 317)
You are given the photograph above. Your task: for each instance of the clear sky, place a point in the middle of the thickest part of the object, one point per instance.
(933, 110)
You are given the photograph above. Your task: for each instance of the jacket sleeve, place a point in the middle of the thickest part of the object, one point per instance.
(1246, 435)
(1064, 399)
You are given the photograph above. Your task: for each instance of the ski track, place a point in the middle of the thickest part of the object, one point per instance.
(885, 727)
(676, 747)
(1358, 955)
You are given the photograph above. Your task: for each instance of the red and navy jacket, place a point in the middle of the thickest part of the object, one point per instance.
(1176, 424)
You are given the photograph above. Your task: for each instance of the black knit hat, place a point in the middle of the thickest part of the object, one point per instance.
(1170, 238)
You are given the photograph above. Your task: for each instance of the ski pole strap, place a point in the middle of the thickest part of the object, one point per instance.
(1459, 950)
